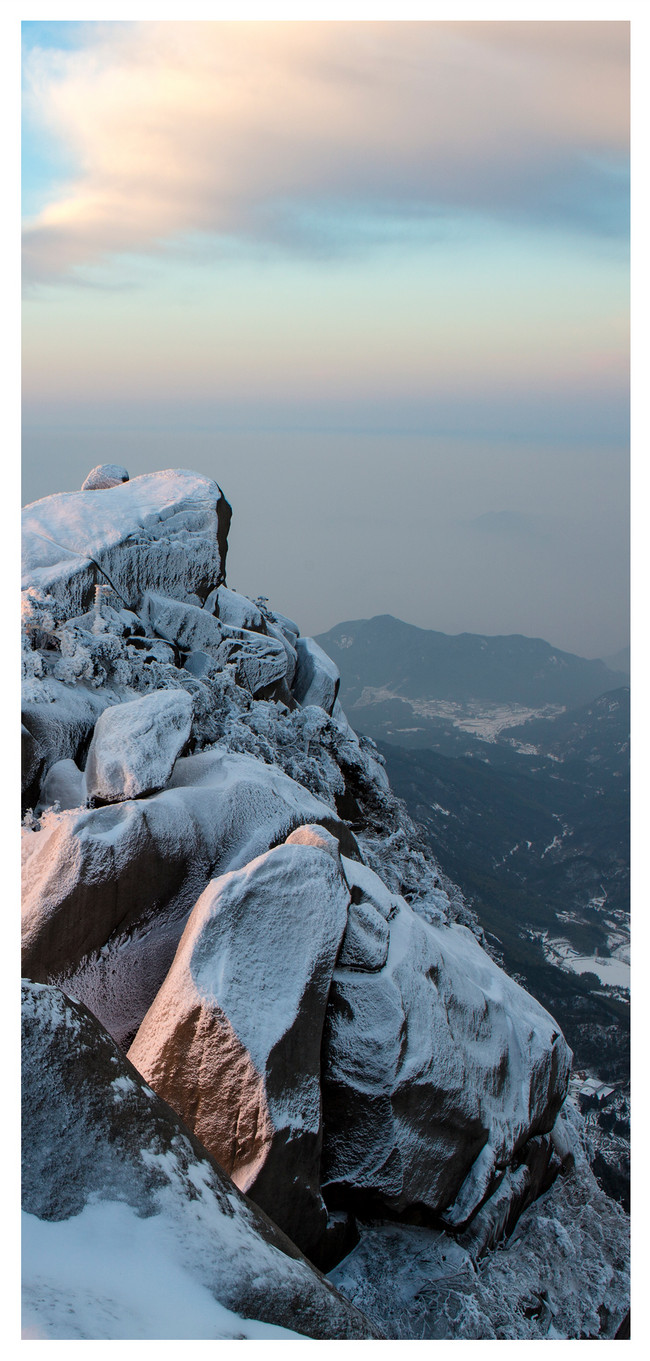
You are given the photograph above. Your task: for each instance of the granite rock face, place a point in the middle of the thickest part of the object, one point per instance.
(139, 866)
(260, 924)
(95, 1135)
(158, 531)
(233, 1038)
(105, 475)
(437, 1067)
(135, 746)
(317, 679)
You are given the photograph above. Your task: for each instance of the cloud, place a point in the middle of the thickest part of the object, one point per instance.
(266, 131)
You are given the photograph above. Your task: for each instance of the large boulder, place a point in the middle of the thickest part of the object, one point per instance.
(105, 475)
(437, 1067)
(317, 678)
(130, 1228)
(260, 661)
(143, 863)
(135, 745)
(235, 609)
(64, 786)
(163, 531)
(60, 720)
(233, 1038)
(189, 627)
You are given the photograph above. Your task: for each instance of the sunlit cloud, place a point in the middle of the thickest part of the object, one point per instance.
(307, 135)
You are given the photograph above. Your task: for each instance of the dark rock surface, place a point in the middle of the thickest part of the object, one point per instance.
(93, 1132)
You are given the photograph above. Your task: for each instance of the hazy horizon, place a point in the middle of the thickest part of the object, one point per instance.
(371, 277)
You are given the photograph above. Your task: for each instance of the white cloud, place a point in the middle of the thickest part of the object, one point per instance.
(227, 128)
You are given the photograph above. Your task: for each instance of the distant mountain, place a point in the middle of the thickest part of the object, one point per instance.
(384, 658)
(619, 661)
(589, 741)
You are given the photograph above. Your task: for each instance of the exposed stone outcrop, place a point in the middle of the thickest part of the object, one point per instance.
(160, 531)
(296, 986)
(94, 1134)
(317, 679)
(437, 1067)
(105, 475)
(233, 1038)
(143, 862)
(135, 746)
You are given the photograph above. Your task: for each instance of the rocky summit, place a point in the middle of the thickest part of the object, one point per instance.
(263, 1038)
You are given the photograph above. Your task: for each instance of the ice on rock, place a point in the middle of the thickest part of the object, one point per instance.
(105, 475)
(94, 872)
(233, 1039)
(438, 1067)
(162, 531)
(135, 745)
(261, 662)
(97, 1170)
(317, 678)
(366, 940)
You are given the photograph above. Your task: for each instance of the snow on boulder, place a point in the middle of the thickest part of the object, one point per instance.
(63, 785)
(191, 628)
(235, 609)
(317, 679)
(105, 475)
(286, 626)
(32, 758)
(163, 531)
(261, 662)
(292, 656)
(131, 1229)
(135, 745)
(437, 1067)
(61, 718)
(92, 873)
(233, 1038)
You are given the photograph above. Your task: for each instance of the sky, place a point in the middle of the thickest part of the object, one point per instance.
(372, 277)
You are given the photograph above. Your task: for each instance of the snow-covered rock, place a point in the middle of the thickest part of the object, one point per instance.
(261, 662)
(89, 874)
(437, 1081)
(164, 532)
(32, 759)
(192, 629)
(437, 1067)
(60, 720)
(131, 1229)
(317, 678)
(235, 609)
(105, 475)
(64, 786)
(286, 626)
(232, 1040)
(563, 1274)
(135, 745)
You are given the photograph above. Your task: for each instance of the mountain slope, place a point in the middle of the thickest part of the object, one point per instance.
(386, 654)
